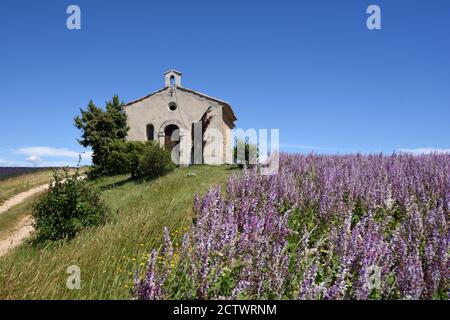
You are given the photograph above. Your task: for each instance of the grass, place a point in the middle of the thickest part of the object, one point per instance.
(108, 255)
(11, 218)
(11, 186)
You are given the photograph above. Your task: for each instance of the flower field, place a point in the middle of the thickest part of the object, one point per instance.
(324, 227)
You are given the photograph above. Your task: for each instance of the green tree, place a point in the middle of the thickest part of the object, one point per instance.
(102, 127)
(251, 151)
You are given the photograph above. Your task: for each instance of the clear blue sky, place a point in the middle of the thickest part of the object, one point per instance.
(310, 68)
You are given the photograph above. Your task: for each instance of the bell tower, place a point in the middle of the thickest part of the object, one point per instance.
(172, 78)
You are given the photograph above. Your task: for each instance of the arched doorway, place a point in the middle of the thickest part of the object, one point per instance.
(168, 143)
(173, 128)
(168, 132)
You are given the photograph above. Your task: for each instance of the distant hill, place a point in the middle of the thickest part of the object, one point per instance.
(14, 171)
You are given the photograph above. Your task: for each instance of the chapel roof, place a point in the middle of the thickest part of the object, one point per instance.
(225, 104)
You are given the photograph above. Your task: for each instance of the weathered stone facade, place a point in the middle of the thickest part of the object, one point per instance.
(155, 116)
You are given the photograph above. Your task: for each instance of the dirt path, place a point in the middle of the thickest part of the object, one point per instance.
(23, 229)
(18, 198)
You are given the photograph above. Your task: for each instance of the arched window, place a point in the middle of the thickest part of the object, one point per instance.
(150, 132)
(172, 81)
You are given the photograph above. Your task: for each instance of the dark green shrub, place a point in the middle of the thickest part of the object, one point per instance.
(123, 156)
(66, 208)
(154, 161)
(140, 159)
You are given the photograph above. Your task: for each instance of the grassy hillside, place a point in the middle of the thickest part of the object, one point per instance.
(109, 254)
(13, 185)
(11, 219)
